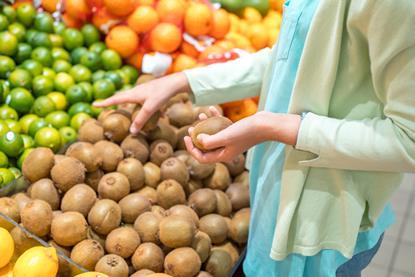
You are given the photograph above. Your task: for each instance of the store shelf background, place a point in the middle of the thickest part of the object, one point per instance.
(396, 257)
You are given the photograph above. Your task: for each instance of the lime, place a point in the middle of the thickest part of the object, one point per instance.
(80, 107)
(132, 73)
(24, 51)
(58, 27)
(40, 39)
(89, 89)
(11, 144)
(59, 99)
(25, 122)
(43, 105)
(7, 65)
(63, 81)
(96, 111)
(4, 88)
(49, 137)
(80, 73)
(56, 40)
(6, 177)
(103, 89)
(72, 38)
(42, 85)
(60, 54)
(4, 128)
(4, 22)
(36, 125)
(4, 160)
(13, 125)
(16, 172)
(20, 99)
(18, 30)
(98, 75)
(8, 44)
(77, 120)
(98, 47)
(91, 34)
(23, 156)
(77, 54)
(91, 60)
(76, 94)
(10, 13)
(49, 73)
(126, 87)
(58, 119)
(8, 113)
(44, 22)
(61, 66)
(115, 78)
(42, 55)
(68, 135)
(34, 67)
(28, 141)
(26, 14)
(111, 60)
(30, 35)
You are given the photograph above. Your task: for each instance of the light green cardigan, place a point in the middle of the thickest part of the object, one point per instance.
(357, 81)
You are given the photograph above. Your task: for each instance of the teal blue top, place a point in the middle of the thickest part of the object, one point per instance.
(267, 165)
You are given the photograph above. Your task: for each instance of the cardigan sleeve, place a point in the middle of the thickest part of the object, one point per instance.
(384, 143)
(230, 81)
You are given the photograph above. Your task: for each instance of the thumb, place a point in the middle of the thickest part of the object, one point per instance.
(211, 142)
(142, 117)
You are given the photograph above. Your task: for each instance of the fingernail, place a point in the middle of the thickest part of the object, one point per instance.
(133, 130)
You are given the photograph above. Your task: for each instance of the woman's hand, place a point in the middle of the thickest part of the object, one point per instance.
(242, 135)
(151, 96)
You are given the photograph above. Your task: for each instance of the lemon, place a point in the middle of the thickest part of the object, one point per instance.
(39, 261)
(6, 247)
(92, 274)
(7, 271)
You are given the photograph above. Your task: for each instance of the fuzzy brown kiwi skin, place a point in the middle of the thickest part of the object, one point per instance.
(230, 248)
(87, 253)
(147, 226)
(240, 226)
(92, 235)
(116, 126)
(38, 164)
(143, 273)
(215, 226)
(151, 124)
(80, 198)
(69, 228)
(193, 185)
(182, 155)
(132, 206)
(204, 274)
(92, 178)
(91, 131)
(122, 241)
(110, 153)
(150, 193)
(176, 231)
(134, 146)
(238, 195)
(148, 256)
(182, 262)
(181, 133)
(36, 217)
(219, 179)
(86, 153)
(210, 126)
(45, 190)
(133, 169)
(164, 131)
(112, 265)
(243, 178)
(22, 199)
(182, 210)
(10, 208)
(219, 263)
(236, 166)
(198, 170)
(224, 204)
(159, 211)
(104, 216)
(170, 193)
(202, 244)
(161, 150)
(173, 168)
(22, 240)
(203, 201)
(152, 174)
(113, 186)
(180, 114)
(67, 173)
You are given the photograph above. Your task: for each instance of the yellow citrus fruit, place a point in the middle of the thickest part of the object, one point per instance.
(234, 19)
(239, 40)
(145, 2)
(6, 247)
(92, 274)
(39, 261)
(258, 35)
(252, 15)
(143, 19)
(59, 99)
(7, 271)
(243, 27)
(273, 37)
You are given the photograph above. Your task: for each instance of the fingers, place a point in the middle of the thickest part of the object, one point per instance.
(120, 98)
(203, 116)
(142, 117)
(214, 111)
(209, 157)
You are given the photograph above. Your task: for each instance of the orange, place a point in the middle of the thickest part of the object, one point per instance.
(171, 11)
(211, 50)
(273, 37)
(189, 50)
(252, 15)
(97, 4)
(198, 19)
(246, 108)
(123, 40)
(165, 38)
(143, 19)
(221, 24)
(136, 60)
(77, 9)
(104, 20)
(239, 40)
(234, 19)
(243, 27)
(120, 7)
(145, 2)
(70, 21)
(49, 5)
(183, 62)
(276, 5)
(258, 35)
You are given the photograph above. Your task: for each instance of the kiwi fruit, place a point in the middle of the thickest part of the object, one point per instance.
(91, 131)
(240, 226)
(164, 131)
(114, 186)
(243, 178)
(210, 126)
(198, 170)
(110, 153)
(147, 227)
(91, 234)
(181, 133)
(104, 114)
(69, 228)
(58, 158)
(56, 213)
(178, 98)
(176, 231)
(170, 193)
(223, 203)
(148, 256)
(133, 146)
(132, 206)
(185, 211)
(116, 126)
(152, 174)
(122, 241)
(202, 245)
(204, 274)
(67, 173)
(22, 240)
(215, 226)
(206, 110)
(80, 198)
(10, 208)
(92, 178)
(161, 150)
(38, 164)
(236, 166)
(112, 265)
(86, 153)
(22, 199)
(45, 190)
(104, 216)
(133, 169)
(36, 217)
(220, 179)
(144, 78)
(239, 196)
(173, 168)
(203, 201)
(193, 185)
(219, 263)
(231, 249)
(183, 262)
(143, 273)
(159, 211)
(180, 114)
(87, 253)
(151, 123)
(150, 193)
(182, 155)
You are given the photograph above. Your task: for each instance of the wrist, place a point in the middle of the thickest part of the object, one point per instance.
(179, 83)
(283, 128)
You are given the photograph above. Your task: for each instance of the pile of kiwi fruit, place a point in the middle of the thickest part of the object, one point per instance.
(135, 205)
